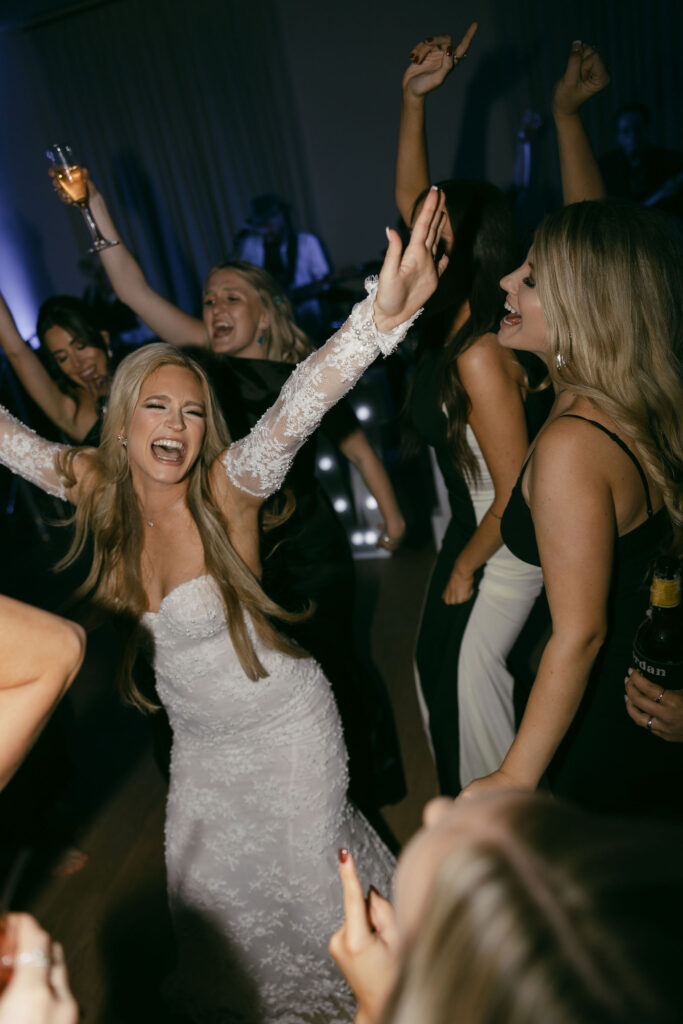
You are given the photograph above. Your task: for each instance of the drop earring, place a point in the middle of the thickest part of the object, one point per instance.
(261, 340)
(123, 440)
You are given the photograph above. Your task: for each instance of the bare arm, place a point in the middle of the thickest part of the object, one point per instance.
(431, 62)
(360, 452)
(574, 518)
(40, 655)
(585, 76)
(60, 408)
(497, 419)
(128, 281)
(256, 466)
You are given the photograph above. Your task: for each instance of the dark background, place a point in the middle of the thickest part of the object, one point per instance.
(183, 110)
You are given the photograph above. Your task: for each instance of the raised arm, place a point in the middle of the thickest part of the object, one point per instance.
(258, 464)
(497, 419)
(60, 408)
(585, 76)
(128, 281)
(431, 62)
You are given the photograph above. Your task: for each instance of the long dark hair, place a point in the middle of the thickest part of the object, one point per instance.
(73, 315)
(483, 251)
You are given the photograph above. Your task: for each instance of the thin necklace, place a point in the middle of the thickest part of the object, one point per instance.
(153, 522)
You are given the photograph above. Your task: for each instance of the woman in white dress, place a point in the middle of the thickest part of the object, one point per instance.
(257, 803)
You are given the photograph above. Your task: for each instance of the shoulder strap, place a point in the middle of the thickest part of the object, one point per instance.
(624, 447)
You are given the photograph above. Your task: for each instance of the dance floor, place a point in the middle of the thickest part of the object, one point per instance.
(111, 915)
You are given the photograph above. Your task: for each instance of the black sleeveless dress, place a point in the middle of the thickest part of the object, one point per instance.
(606, 762)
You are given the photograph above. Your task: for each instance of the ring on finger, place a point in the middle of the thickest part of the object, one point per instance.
(456, 59)
(34, 957)
(649, 722)
(658, 700)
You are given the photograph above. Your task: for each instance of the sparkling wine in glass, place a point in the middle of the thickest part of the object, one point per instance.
(69, 175)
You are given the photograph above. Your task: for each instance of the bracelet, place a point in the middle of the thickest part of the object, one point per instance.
(495, 515)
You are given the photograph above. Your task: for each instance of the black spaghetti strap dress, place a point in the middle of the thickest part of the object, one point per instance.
(607, 763)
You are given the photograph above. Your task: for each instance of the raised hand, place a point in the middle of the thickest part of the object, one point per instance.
(93, 191)
(432, 60)
(585, 76)
(364, 947)
(408, 278)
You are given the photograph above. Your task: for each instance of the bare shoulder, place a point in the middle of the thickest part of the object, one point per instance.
(486, 357)
(570, 452)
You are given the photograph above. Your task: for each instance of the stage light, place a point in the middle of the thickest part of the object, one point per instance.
(371, 502)
(370, 536)
(357, 538)
(325, 463)
(340, 504)
(363, 412)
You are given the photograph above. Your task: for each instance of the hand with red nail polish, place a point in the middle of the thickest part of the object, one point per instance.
(365, 946)
(432, 60)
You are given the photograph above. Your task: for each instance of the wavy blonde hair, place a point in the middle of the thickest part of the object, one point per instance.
(285, 342)
(109, 510)
(549, 919)
(610, 282)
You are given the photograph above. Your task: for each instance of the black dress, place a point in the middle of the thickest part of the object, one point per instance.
(308, 559)
(606, 762)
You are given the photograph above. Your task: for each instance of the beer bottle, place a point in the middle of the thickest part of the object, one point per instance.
(658, 643)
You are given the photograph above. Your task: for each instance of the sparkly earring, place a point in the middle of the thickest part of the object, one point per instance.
(109, 353)
(123, 440)
(559, 360)
(261, 340)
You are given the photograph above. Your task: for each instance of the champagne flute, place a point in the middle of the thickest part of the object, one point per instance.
(69, 175)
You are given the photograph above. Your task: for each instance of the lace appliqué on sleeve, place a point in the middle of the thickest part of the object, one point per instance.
(258, 464)
(30, 456)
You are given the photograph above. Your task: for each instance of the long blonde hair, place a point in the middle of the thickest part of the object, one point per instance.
(109, 510)
(610, 281)
(556, 917)
(284, 341)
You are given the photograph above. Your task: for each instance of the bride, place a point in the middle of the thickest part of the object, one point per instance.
(256, 807)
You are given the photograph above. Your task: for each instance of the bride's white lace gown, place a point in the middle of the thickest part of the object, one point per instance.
(257, 805)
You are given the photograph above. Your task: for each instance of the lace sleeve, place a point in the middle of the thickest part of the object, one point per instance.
(30, 456)
(258, 464)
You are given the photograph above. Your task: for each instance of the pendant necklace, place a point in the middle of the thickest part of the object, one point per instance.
(153, 522)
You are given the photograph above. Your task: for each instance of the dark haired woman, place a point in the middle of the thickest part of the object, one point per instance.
(79, 361)
(471, 401)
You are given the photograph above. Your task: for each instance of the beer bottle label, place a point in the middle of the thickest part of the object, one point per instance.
(665, 593)
(668, 674)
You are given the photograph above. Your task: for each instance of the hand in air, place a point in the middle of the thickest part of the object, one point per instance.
(432, 60)
(364, 947)
(409, 277)
(648, 702)
(585, 76)
(61, 194)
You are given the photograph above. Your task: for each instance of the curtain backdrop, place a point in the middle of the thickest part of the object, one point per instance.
(182, 111)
